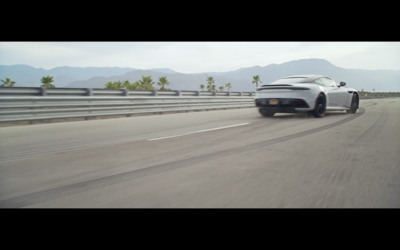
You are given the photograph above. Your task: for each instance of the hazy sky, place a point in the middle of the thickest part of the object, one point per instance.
(196, 57)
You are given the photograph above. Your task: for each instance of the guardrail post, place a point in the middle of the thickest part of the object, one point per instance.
(197, 93)
(240, 93)
(229, 93)
(89, 92)
(155, 93)
(178, 93)
(126, 92)
(43, 91)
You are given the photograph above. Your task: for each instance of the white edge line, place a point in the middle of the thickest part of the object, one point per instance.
(167, 137)
(212, 129)
(200, 131)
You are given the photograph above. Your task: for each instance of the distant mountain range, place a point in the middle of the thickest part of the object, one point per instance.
(241, 79)
(27, 76)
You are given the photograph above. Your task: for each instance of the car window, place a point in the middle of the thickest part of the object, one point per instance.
(287, 80)
(319, 81)
(328, 82)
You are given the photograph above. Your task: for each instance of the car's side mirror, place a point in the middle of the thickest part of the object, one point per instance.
(342, 84)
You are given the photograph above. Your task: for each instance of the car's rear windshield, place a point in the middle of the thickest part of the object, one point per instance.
(289, 80)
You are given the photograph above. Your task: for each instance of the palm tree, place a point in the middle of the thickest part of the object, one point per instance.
(7, 83)
(228, 86)
(47, 82)
(109, 85)
(202, 87)
(118, 85)
(146, 83)
(213, 88)
(221, 88)
(135, 85)
(210, 83)
(162, 81)
(256, 80)
(126, 84)
(114, 85)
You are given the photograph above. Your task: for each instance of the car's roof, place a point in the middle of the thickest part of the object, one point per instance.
(297, 79)
(309, 77)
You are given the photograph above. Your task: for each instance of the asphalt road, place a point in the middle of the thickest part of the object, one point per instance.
(215, 159)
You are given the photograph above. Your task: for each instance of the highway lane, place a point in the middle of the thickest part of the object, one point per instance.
(223, 159)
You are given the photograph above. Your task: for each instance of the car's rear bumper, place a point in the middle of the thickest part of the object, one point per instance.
(283, 105)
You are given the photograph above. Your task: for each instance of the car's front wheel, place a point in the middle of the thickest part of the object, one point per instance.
(266, 112)
(320, 106)
(354, 105)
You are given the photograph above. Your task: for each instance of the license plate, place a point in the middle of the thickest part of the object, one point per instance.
(273, 102)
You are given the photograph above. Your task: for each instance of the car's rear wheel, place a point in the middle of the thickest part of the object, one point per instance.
(266, 112)
(320, 106)
(354, 105)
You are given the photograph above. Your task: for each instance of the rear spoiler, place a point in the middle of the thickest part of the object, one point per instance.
(282, 87)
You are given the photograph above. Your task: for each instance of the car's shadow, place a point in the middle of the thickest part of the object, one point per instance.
(285, 116)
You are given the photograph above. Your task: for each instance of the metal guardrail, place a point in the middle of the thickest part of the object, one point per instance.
(30, 91)
(30, 104)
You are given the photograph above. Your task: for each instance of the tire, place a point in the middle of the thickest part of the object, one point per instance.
(266, 112)
(320, 106)
(354, 105)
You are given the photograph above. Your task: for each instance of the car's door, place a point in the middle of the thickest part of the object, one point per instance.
(336, 95)
(342, 94)
(344, 97)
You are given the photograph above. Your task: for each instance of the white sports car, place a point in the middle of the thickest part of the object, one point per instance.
(304, 93)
